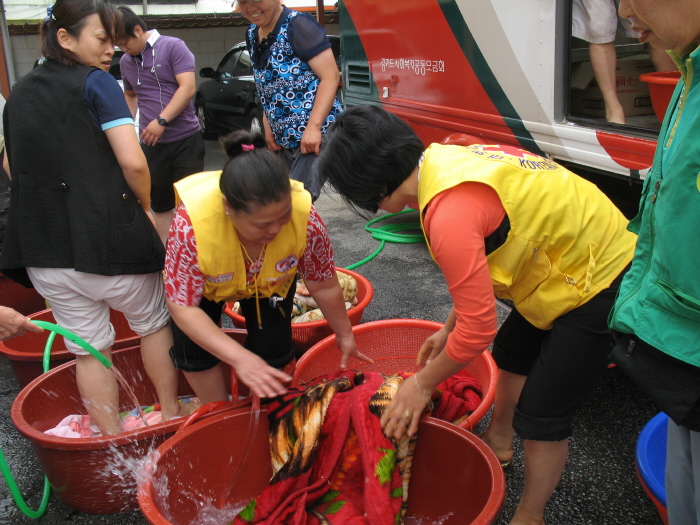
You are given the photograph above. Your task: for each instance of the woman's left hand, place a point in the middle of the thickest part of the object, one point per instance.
(311, 141)
(348, 347)
(404, 412)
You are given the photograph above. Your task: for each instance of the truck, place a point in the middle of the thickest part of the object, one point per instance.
(498, 72)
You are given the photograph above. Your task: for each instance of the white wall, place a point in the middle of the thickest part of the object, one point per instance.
(208, 45)
(36, 9)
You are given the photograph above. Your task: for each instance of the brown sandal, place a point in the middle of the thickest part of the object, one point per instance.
(504, 464)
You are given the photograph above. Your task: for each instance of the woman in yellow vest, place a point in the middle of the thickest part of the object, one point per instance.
(242, 234)
(497, 219)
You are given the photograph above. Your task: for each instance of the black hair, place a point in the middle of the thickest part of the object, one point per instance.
(71, 15)
(367, 154)
(131, 20)
(253, 175)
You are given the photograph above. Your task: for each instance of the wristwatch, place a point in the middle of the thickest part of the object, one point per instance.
(162, 122)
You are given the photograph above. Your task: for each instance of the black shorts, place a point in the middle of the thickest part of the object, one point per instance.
(168, 163)
(273, 343)
(562, 365)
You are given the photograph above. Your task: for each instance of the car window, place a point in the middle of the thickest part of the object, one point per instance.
(228, 65)
(244, 67)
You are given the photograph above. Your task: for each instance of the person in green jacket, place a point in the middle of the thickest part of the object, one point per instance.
(656, 317)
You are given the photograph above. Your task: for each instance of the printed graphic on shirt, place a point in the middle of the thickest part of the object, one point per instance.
(286, 264)
(218, 279)
(517, 157)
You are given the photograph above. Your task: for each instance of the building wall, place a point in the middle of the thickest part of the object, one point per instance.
(207, 44)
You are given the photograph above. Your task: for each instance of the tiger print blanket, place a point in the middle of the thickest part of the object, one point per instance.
(331, 463)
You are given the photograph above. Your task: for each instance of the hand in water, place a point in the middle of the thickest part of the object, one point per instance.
(404, 412)
(262, 379)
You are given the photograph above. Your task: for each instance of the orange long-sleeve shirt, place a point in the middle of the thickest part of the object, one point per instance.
(456, 222)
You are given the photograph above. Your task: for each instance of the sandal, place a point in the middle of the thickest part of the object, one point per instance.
(504, 464)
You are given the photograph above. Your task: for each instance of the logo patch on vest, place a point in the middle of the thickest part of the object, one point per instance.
(519, 158)
(286, 264)
(218, 279)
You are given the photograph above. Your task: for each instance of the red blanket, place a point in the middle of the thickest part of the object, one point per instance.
(331, 462)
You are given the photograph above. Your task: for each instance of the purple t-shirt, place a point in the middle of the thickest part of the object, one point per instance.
(152, 77)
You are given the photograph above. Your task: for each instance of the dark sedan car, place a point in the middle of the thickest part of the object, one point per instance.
(229, 100)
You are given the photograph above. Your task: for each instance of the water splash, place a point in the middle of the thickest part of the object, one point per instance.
(421, 520)
(130, 392)
(251, 432)
(122, 469)
(209, 514)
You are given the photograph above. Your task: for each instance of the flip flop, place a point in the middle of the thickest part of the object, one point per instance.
(504, 464)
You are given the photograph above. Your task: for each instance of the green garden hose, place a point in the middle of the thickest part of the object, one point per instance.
(390, 233)
(4, 468)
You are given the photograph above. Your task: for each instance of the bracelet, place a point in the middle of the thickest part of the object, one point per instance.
(415, 382)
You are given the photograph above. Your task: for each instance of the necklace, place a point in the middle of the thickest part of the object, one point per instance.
(255, 279)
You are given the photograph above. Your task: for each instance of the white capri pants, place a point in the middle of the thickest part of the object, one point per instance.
(80, 302)
(597, 21)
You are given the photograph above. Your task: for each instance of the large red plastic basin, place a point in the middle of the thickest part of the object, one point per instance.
(25, 300)
(27, 352)
(393, 345)
(455, 477)
(94, 474)
(661, 87)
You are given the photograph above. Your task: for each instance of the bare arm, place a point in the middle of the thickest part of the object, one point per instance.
(132, 162)
(326, 70)
(6, 163)
(182, 96)
(262, 379)
(132, 101)
(434, 344)
(329, 297)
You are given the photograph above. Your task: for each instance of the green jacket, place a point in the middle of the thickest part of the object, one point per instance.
(659, 299)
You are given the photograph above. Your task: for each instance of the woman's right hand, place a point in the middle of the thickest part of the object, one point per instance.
(262, 379)
(432, 346)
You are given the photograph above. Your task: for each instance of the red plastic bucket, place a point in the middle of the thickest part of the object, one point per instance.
(27, 352)
(305, 335)
(25, 300)
(393, 345)
(191, 471)
(661, 87)
(95, 474)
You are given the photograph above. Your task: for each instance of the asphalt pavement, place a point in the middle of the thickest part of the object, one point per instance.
(599, 485)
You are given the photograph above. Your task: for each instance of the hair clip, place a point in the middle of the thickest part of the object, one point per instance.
(247, 147)
(49, 15)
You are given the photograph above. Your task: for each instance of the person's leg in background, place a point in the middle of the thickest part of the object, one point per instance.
(604, 62)
(682, 475)
(595, 21)
(169, 162)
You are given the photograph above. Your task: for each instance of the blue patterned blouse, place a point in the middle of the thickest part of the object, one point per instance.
(286, 84)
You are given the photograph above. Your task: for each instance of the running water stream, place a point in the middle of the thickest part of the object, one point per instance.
(130, 392)
(251, 432)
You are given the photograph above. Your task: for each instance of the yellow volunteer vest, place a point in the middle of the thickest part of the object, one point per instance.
(567, 240)
(219, 252)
